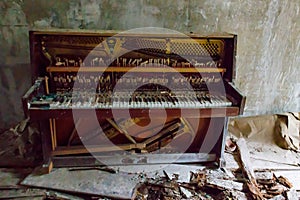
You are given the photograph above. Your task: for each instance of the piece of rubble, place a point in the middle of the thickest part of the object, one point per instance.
(186, 192)
(224, 184)
(284, 181)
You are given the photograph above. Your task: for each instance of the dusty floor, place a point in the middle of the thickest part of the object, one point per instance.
(170, 182)
(276, 172)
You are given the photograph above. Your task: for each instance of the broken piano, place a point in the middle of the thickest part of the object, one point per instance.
(108, 98)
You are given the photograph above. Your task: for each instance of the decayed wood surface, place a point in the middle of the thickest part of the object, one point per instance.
(225, 184)
(176, 181)
(248, 170)
(167, 183)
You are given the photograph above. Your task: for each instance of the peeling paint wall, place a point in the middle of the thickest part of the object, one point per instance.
(268, 54)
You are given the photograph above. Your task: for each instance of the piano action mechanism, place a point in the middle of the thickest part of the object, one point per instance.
(108, 98)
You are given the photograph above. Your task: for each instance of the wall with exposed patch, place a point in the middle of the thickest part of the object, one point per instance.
(268, 41)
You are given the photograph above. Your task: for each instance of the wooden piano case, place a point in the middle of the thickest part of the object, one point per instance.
(154, 125)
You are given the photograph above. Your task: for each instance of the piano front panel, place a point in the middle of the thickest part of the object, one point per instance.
(173, 137)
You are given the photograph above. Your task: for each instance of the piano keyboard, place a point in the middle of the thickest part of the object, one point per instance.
(122, 100)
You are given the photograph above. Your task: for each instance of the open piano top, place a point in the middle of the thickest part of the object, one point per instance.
(126, 80)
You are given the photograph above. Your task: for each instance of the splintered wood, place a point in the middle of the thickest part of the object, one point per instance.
(267, 186)
(220, 183)
(247, 170)
(170, 188)
(203, 184)
(206, 184)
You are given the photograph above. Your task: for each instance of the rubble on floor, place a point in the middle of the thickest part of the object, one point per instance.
(171, 181)
(63, 183)
(256, 168)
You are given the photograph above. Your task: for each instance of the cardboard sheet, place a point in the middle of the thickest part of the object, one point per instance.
(269, 137)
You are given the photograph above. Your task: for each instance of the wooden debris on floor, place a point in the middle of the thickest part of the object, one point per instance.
(293, 177)
(158, 170)
(266, 187)
(204, 184)
(255, 169)
(90, 183)
(247, 169)
(166, 183)
(273, 140)
(274, 186)
(98, 183)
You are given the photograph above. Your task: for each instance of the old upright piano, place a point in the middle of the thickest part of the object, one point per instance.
(145, 97)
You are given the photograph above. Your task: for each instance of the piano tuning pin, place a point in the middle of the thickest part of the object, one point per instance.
(80, 62)
(66, 62)
(71, 62)
(101, 62)
(129, 62)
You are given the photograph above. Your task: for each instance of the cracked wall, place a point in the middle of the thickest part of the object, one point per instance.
(268, 41)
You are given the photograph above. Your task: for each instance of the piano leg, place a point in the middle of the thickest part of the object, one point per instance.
(47, 146)
(221, 161)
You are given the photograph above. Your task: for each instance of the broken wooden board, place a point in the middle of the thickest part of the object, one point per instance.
(224, 184)
(91, 182)
(293, 176)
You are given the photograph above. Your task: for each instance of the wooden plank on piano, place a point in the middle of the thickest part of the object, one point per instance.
(133, 159)
(93, 149)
